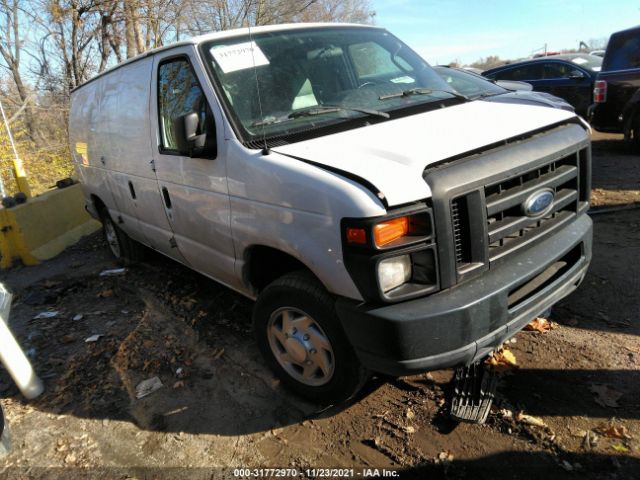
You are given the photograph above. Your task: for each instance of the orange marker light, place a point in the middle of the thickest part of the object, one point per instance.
(390, 230)
(356, 236)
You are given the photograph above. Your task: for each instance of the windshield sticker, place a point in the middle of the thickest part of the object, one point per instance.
(405, 79)
(580, 60)
(232, 58)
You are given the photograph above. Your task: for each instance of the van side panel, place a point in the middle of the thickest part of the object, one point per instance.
(125, 120)
(83, 133)
(134, 181)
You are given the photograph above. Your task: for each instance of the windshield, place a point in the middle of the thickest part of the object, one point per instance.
(319, 76)
(469, 84)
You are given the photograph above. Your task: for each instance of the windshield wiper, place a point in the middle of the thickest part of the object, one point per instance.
(318, 110)
(322, 109)
(422, 91)
(487, 94)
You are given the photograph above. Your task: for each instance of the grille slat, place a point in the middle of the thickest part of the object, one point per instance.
(508, 225)
(508, 228)
(515, 196)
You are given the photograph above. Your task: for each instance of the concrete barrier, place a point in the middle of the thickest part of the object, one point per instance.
(44, 226)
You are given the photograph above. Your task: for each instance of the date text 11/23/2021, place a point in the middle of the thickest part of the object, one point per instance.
(315, 473)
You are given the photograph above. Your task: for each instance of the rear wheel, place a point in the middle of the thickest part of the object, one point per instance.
(126, 250)
(300, 337)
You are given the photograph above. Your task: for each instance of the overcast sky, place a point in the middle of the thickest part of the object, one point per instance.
(445, 30)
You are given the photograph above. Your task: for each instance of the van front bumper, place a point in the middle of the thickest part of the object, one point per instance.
(464, 323)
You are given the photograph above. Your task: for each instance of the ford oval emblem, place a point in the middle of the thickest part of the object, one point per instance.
(538, 203)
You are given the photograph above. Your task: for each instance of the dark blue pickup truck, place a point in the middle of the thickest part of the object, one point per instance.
(616, 93)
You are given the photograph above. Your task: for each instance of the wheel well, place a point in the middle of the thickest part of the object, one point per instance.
(98, 204)
(266, 264)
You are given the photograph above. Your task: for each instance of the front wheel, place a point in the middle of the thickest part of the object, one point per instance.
(300, 337)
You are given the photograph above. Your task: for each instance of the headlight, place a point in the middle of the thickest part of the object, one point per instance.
(392, 257)
(393, 272)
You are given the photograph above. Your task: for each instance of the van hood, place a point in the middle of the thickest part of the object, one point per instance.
(392, 155)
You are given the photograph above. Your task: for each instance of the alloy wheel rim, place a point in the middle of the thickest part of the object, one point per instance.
(300, 346)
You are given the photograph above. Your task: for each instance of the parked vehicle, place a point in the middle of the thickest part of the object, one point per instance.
(616, 93)
(382, 221)
(570, 76)
(478, 87)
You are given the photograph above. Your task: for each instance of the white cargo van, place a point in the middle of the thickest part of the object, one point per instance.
(382, 221)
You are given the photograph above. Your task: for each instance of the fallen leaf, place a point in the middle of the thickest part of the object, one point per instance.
(612, 431)
(178, 384)
(217, 355)
(409, 414)
(540, 324)
(605, 395)
(618, 447)
(530, 420)
(444, 457)
(106, 293)
(501, 361)
(409, 429)
(505, 413)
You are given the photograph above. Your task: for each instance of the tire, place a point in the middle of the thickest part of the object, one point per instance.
(126, 250)
(295, 320)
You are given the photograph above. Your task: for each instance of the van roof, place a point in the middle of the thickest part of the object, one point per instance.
(236, 32)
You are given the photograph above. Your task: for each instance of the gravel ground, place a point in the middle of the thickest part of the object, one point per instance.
(570, 409)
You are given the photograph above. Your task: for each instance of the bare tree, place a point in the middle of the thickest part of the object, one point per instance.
(11, 50)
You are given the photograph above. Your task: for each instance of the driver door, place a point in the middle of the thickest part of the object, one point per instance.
(194, 190)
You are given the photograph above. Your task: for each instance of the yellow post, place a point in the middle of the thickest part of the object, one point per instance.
(21, 176)
(18, 167)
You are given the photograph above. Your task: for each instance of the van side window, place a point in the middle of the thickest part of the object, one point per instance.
(179, 93)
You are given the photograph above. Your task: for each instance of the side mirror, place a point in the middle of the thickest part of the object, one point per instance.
(576, 75)
(190, 143)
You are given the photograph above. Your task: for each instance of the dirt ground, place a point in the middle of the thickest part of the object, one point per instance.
(577, 387)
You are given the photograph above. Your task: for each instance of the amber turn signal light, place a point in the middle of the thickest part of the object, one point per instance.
(356, 236)
(386, 232)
